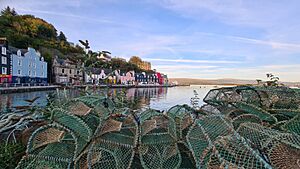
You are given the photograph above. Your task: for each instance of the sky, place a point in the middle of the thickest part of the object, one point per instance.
(207, 39)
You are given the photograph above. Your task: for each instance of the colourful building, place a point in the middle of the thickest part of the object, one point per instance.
(97, 76)
(5, 62)
(28, 66)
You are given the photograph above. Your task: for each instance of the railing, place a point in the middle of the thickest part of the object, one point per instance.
(7, 85)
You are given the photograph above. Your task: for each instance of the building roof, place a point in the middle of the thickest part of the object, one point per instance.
(63, 62)
(14, 50)
(99, 70)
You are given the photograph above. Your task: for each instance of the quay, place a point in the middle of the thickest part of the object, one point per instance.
(21, 89)
(30, 88)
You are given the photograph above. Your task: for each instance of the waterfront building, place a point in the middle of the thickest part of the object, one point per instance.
(141, 78)
(152, 79)
(5, 62)
(28, 66)
(166, 80)
(97, 76)
(66, 71)
(160, 78)
(128, 77)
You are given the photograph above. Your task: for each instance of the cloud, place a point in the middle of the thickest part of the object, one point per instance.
(177, 67)
(192, 61)
(284, 72)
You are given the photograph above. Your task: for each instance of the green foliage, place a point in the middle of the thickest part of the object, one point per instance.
(62, 37)
(22, 31)
(11, 154)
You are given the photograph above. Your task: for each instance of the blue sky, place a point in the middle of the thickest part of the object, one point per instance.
(185, 38)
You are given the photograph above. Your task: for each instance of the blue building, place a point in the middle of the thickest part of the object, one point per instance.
(141, 78)
(28, 66)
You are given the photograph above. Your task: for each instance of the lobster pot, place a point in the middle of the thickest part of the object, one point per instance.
(204, 133)
(183, 120)
(114, 144)
(48, 147)
(158, 147)
(232, 151)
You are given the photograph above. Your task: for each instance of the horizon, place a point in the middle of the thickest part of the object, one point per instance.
(190, 39)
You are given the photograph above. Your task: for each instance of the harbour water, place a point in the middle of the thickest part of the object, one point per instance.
(156, 98)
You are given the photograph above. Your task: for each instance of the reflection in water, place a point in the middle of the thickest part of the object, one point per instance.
(156, 98)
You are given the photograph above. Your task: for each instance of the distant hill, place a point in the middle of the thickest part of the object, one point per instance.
(188, 81)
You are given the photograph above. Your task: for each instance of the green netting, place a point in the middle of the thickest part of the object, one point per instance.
(182, 118)
(293, 125)
(252, 109)
(204, 133)
(114, 144)
(47, 147)
(210, 109)
(257, 134)
(161, 156)
(236, 152)
(244, 118)
(239, 127)
(158, 147)
(36, 162)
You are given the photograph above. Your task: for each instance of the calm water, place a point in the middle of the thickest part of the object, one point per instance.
(156, 98)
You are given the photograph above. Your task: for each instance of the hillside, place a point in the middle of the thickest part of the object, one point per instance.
(24, 31)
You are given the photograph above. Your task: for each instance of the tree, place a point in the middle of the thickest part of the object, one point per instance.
(62, 37)
(8, 12)
(135, 60)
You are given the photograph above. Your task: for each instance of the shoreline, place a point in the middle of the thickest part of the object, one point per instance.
(8, 90)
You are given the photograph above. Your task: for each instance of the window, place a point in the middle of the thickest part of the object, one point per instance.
(4, 70)
(19, 62)
(70, 71)
(3, 50)
(34, 73)
(29, 65)
(19, 53)
(78, 72)
(42, 73)
(29, 73)
(4, 60)
(19, 72)
(62, 70)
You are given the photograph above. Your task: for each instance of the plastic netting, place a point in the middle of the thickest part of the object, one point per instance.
(238, 127)
(183, 120)
(47, 147)
(204, 133)
(114, 144)
(158, 147)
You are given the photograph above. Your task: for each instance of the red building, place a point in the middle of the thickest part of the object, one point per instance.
(160, 78)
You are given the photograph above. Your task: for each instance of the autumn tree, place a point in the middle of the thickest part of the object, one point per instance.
(135, 60)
